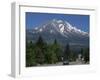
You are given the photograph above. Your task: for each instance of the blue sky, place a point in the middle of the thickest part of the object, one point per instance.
(36, 19)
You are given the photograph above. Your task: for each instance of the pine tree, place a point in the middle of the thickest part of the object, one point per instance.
(58, 50)
(86, 55)
(53, 51)
(40, 51)
(67, 52)
(30, 55)
(40, 42)
(82, 52)
(48, 55)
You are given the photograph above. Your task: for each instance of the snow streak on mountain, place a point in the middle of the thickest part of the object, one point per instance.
(62, 27)
(61, 30)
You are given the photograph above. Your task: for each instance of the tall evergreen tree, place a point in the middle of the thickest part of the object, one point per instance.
(54, 58)
(86, 55)
(39, 55)
(53, 52)
(40, 41)
(30, 55)
(48, 55)
(39, 51)
(55, 42)
(82, 52)
(58, 50)
(67, 52)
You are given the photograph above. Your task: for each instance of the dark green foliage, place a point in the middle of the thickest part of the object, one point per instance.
(67, 52)
(40, 42)
(57, 50)
(82, 52)
(40, 53)
(30, 55)
(48, 55)
(72, 56)
(86, 55)
(53, 53)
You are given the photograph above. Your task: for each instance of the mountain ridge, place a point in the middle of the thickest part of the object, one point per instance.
(62, 30)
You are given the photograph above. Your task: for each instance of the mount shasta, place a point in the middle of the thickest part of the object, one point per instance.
(60, 30)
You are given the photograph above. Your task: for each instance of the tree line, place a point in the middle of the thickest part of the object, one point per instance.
(40, 52)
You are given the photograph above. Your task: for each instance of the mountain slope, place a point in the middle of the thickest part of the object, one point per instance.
(61, 30)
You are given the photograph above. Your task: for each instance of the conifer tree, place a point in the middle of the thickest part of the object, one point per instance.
(39, 51)
(67, 52)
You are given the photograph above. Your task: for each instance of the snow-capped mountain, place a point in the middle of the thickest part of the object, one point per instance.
(61, 30)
